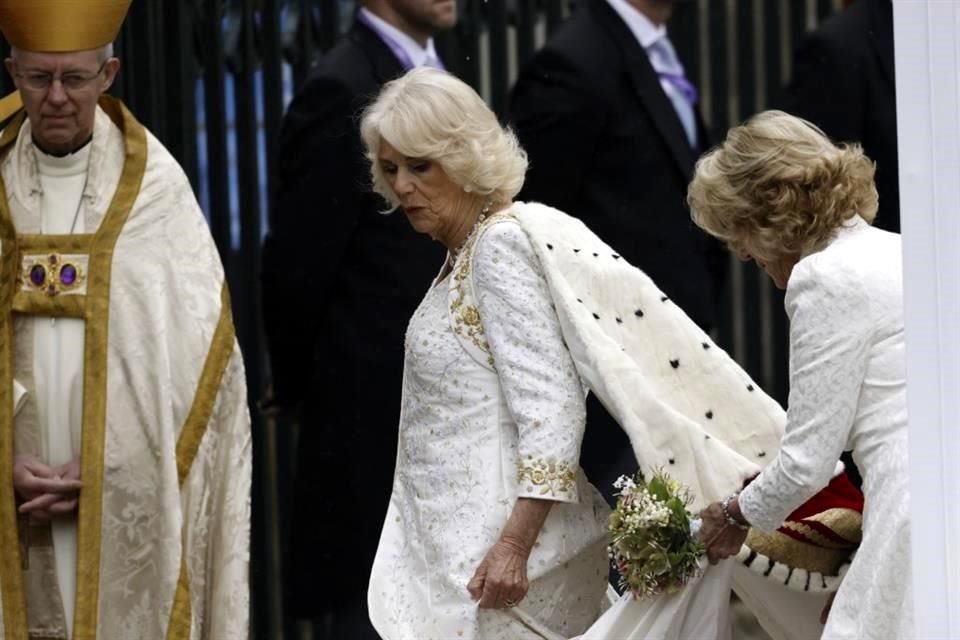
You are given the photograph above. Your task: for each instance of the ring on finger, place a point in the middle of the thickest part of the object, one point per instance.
(510, 603)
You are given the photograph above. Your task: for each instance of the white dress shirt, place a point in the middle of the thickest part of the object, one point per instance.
(418, 55)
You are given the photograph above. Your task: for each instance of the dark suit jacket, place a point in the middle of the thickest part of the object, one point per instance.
(340, 282)
(843, 81)
(606, 146)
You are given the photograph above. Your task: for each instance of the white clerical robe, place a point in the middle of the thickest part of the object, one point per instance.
(162, 542)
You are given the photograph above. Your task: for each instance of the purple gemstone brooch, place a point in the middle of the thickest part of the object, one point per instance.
(52, 275)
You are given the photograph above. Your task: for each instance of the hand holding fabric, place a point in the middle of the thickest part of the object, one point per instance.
(501, 579)
(721, 539)
(46, 491)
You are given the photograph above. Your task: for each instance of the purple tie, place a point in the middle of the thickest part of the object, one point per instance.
(681, 84)
(683, 94)
(668, 66)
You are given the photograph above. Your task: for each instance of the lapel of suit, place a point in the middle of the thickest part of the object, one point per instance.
(881, 35)
(646, 83)
(384, 63)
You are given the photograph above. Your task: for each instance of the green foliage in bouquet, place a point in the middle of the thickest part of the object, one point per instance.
(651, 542)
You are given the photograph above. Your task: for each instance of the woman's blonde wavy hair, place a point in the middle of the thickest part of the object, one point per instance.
(430, 114)
(778, 187)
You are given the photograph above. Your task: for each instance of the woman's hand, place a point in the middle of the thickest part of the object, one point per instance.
(721, 538)
(46, 491)
(501, 579)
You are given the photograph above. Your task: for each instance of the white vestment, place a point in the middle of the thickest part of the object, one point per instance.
(163, 429)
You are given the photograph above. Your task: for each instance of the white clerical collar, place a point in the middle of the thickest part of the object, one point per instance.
(640, 25)
(69, 165)
(419, 56)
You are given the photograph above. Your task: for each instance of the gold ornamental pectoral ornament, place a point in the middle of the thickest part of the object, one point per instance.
(52, 275)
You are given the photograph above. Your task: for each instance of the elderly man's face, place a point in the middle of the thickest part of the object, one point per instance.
(60, 93)
(428, 16)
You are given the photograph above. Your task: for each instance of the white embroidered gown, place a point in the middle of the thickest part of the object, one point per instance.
(847, 391)
(493, 410)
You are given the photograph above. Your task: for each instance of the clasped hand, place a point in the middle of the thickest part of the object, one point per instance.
(46, 491)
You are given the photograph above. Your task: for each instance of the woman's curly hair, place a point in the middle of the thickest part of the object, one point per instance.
(777, 186)
(430, 114)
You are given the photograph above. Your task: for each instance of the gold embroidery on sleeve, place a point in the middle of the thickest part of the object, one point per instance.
(551, 476)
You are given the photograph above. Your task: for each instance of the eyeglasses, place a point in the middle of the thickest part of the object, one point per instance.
(73, 81)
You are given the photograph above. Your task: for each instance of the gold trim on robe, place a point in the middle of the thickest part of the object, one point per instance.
(11, 576)
(90, 517)
(221, 348)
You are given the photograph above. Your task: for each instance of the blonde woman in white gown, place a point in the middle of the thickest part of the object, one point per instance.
(492, 529)
(778, 191)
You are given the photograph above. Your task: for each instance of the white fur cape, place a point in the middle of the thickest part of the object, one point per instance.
(687, 407)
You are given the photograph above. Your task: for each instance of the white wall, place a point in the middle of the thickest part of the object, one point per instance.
(927, 36)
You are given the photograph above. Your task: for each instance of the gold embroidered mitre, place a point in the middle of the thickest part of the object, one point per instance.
(51, 26)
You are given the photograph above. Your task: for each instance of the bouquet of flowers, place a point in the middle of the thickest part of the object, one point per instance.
(653, 539)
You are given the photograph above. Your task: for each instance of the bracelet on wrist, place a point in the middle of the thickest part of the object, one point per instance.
(729, 518)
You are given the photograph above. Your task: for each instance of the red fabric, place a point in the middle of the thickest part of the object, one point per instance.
(836, 545)
(839, 494)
